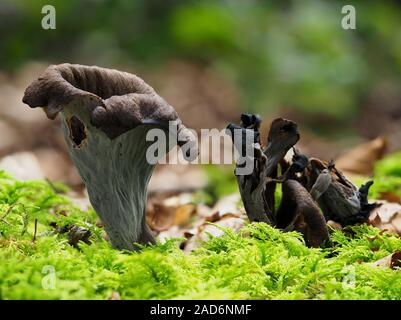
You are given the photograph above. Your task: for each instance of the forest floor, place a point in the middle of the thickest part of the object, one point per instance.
(202, 253)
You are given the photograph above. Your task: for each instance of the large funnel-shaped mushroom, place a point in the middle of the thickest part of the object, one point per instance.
(106, 115)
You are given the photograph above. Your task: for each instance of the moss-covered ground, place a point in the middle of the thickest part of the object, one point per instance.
(258, 263)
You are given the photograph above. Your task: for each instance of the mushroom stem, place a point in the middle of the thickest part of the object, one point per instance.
(116, 175)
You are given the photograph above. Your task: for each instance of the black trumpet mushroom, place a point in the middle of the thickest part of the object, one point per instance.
(313, 191)
(106, 115)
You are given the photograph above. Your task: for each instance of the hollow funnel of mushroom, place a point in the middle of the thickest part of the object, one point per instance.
(106, 115)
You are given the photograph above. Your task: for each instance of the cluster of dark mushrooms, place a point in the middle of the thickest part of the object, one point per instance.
(106, 115)
(313, 191)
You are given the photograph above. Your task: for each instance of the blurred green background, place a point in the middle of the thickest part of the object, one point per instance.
(288, 54)
(289, 58)
(213, 60)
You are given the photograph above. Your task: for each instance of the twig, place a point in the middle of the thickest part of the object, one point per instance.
(2, 219)
(35, 230)
(51, 184)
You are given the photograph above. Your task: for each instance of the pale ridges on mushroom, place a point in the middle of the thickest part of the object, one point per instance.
(106, 115)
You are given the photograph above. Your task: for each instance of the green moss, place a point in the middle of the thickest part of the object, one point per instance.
(389, 166)
(260, 262)
(387, 176)
(385, 185)
(221, 181)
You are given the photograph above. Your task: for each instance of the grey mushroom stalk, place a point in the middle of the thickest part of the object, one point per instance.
(106, 115)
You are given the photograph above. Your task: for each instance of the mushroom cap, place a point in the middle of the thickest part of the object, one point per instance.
(283, 133)
(116, 101)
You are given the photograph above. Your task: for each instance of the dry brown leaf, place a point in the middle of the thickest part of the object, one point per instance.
(375, 220)
(217, 217)
(189, 233)
(390, 197)
(386, 212)
(213, 218)
(162, 214)
(362, 158)
(159, 217)
(387, 217)
(183, 214)
(396, 222)
(391, 261)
